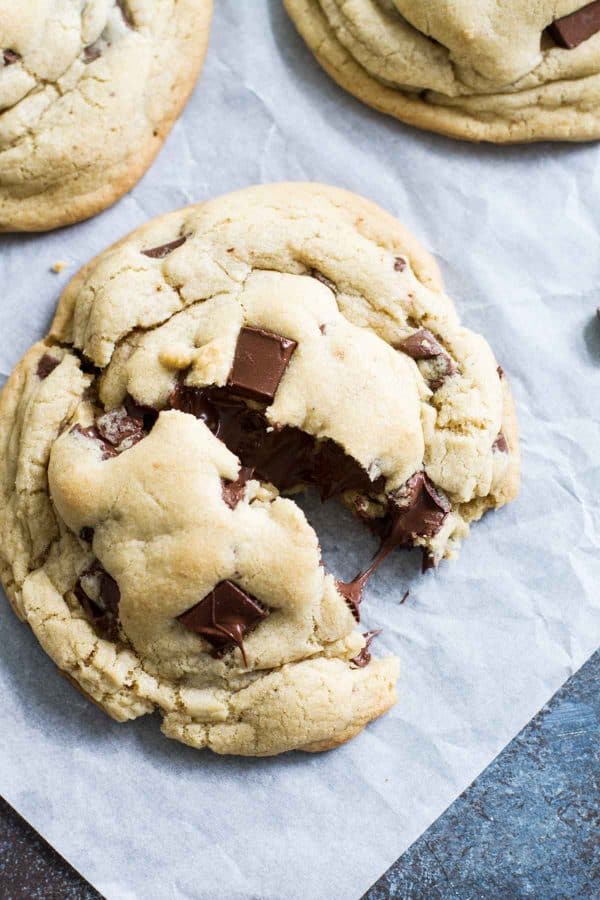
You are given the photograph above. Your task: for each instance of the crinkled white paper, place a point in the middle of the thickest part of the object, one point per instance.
(484, 641)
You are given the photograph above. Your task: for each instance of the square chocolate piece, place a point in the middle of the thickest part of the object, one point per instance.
(260, 361)
(224, 616)
(574, 29)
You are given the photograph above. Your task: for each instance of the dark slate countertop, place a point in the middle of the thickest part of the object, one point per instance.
(529, 826)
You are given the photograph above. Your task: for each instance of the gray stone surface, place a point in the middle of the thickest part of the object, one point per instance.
(529, 826)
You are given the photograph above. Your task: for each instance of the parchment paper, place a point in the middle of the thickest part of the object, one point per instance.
(484, 641)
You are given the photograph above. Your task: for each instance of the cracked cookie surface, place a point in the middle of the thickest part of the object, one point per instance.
(478, 70)
(89, 90)
(279, 337)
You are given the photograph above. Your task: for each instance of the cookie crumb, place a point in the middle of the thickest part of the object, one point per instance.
(59, 266)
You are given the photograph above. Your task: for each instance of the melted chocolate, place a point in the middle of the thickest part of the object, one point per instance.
(417, 509)
(224, 616)
(572, 30)
(336, 472)
(259, 364)
(233, 491)
(164, 249)
(285, 456)
(46, 365)
(103, 607)
(364, 657)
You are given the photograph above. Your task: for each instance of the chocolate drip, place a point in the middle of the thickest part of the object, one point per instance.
(364, 657)
(353, 591)
(99, 596)
(417, 509)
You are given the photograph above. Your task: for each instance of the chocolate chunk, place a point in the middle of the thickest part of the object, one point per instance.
(336, 472)
(314, 273)
(500, 444)
(46, 365)
(91, 54)
(572, 30)
(224, 616)
(364, 657)
(417, 509)
(145, 414)
(99, 596)
(10, 57)
(164, 249)
(260, 361)
(500, 372)
(422, 344)
(92, 433)
(399, 264)
(120, 429)
(233, 491)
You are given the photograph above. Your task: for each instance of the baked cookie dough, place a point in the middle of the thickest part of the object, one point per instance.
(472, 69)
(89, 90)
(217, 358)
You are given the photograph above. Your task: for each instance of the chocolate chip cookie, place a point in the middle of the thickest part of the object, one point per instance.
(89, 90)
(280, 338)
(473, 69)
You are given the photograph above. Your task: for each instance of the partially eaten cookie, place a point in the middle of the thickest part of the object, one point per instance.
(280, 338)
